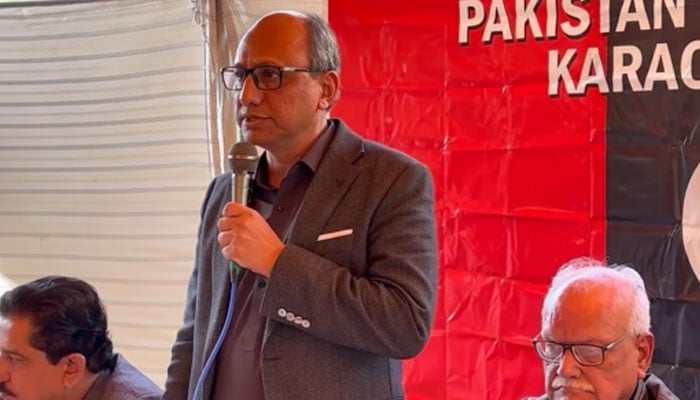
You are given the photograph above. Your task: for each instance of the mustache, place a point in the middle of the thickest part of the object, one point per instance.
(560, 383)
(4, 391)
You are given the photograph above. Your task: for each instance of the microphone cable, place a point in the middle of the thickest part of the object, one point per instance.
(199, 389)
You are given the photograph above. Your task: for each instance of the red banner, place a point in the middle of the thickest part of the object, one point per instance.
(499, 104)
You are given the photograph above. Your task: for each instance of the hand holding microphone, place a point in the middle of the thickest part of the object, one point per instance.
(246, 239)
(242, 161)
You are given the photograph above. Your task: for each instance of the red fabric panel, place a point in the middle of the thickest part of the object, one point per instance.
(520, 183)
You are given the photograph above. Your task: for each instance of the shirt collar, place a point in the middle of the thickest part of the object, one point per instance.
(312, 158)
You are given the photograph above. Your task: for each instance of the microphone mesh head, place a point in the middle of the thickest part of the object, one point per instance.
(243, 158)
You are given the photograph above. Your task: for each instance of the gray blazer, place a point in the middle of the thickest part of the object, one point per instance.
(359, 300)
(125, 382)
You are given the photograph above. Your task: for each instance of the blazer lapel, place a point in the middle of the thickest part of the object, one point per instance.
(334, 176)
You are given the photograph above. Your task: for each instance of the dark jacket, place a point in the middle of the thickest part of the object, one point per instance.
(368, 295)
(125, 382)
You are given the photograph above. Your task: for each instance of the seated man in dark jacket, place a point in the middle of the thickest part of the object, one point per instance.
(54, 344)
(595, 340)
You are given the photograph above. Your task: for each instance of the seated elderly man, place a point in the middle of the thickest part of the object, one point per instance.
(595, 340)
(54, 344)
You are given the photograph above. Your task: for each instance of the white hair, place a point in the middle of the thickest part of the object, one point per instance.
(627, 285)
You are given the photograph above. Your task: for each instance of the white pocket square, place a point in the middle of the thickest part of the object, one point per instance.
(334, 235)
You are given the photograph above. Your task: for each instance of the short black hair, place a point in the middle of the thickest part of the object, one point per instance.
(66, 316)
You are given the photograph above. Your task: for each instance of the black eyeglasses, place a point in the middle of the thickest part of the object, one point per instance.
(589, 355)
(265, 77)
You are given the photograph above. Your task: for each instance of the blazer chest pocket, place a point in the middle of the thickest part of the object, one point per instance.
(341, 246)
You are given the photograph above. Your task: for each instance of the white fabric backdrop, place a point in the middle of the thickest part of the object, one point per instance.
(105, 154)
(103, 158)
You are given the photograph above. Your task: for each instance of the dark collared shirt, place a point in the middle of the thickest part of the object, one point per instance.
(238, 364)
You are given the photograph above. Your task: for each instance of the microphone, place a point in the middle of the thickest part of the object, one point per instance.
(243, 160)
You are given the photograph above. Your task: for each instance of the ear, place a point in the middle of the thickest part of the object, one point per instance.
(645, 350)
(330, 90)
(75, 368)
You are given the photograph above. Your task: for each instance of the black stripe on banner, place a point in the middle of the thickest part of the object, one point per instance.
(653, 148)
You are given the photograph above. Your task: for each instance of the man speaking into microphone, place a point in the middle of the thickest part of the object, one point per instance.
(336, 246)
